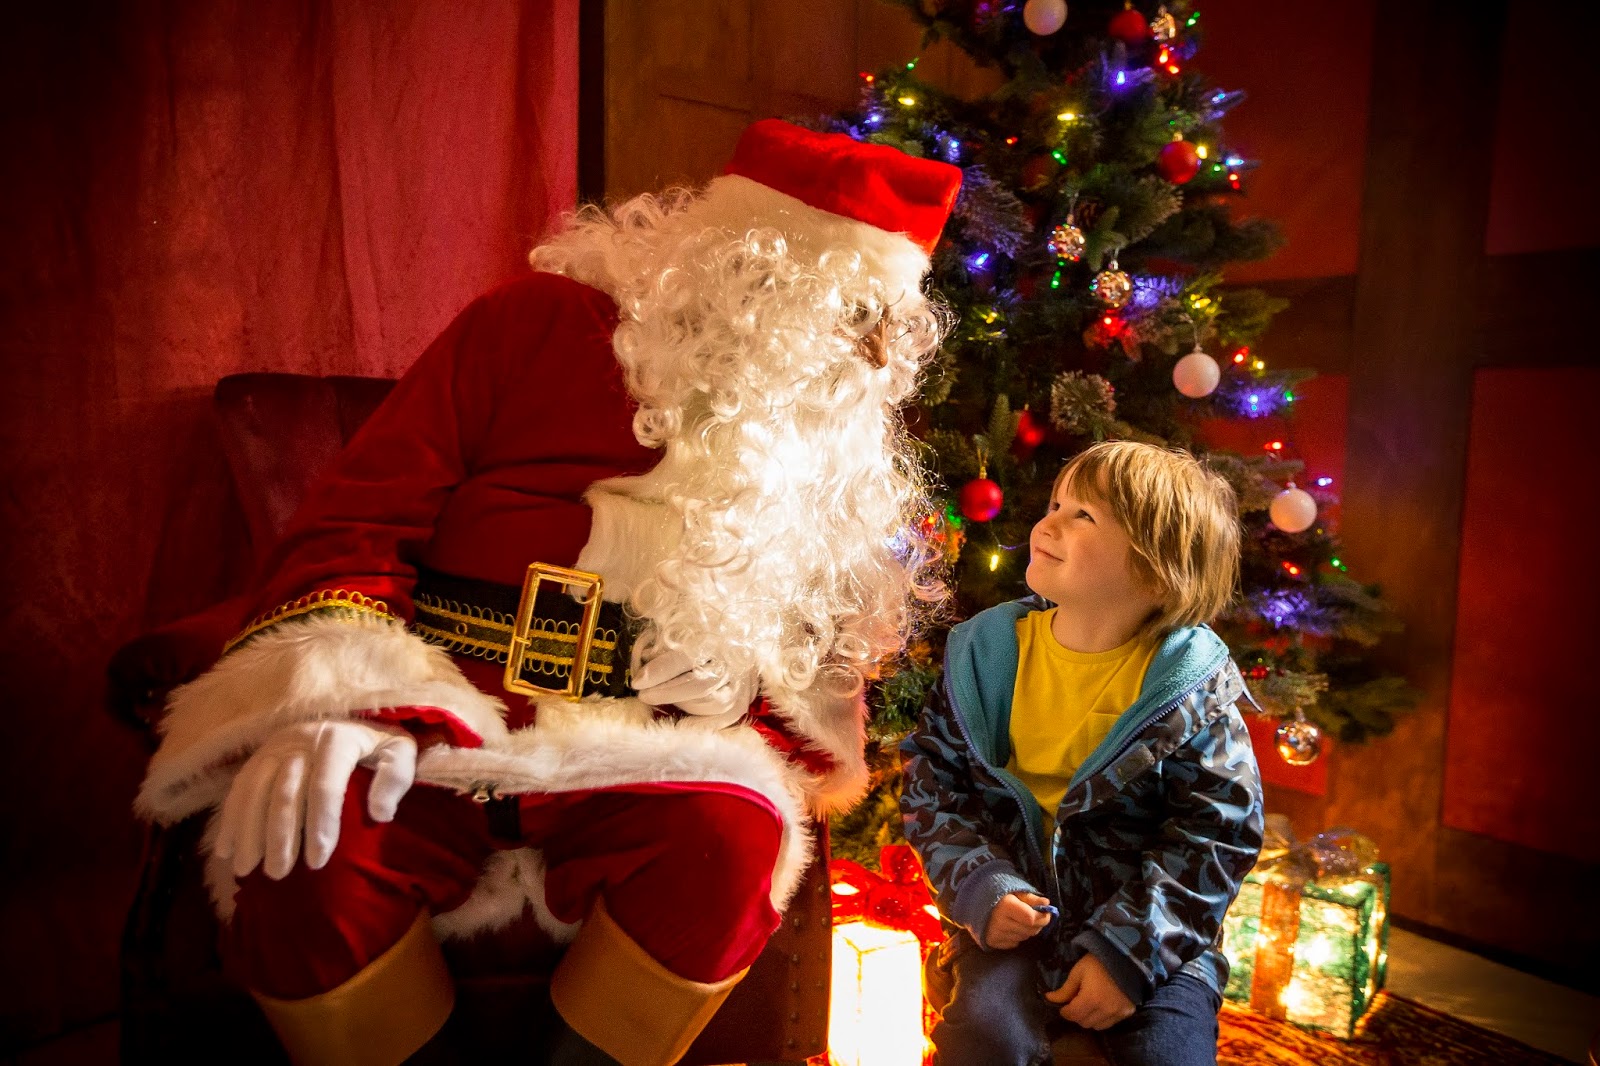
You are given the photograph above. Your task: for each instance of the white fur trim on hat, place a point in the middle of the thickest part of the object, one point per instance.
(738, 203)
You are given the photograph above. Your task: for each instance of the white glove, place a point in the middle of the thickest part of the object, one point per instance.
(673, 677)
(294, 785)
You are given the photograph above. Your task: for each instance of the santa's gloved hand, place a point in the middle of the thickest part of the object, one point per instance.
(673, 677)
(293, 786)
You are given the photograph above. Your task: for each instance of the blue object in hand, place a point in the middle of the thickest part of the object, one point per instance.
(1045, 908)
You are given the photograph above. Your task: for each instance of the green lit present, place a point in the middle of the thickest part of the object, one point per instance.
(1308, 940)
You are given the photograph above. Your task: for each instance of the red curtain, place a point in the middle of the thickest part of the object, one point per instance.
(189, 189)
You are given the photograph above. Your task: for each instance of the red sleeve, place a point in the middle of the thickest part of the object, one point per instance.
(430, 725)
(775, 731)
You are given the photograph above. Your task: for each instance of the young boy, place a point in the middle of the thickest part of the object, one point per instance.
(1081, 788)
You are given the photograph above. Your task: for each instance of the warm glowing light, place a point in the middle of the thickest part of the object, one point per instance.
(1011, 140)
(1319, 951)
(1201, 150)
(1068, 116)
(870, 78)
(842, 889)
(875, 1018)
(1294, 571)
(994, 560)
(1238, 357)
(1296, 999)
(1275, 446)
(909, 101)
(1257, 364)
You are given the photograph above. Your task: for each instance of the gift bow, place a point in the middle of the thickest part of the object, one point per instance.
(1331, 853)
(898, 898)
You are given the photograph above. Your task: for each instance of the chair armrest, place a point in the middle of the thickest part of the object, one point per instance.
(145, 669)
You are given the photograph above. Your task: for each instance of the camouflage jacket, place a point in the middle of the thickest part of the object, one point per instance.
(1156, 831)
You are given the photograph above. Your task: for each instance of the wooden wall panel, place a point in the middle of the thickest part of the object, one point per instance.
(1415, 335)
(683, 78)
(1519, 750)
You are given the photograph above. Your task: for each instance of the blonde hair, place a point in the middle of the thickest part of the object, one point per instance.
(1182, 521)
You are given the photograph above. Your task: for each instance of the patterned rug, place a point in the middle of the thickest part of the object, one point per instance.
(1396, 1032)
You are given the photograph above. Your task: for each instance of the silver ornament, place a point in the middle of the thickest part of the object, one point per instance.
(1196, 374)
(1293, 510)
(1044, 17)
(1299, 742)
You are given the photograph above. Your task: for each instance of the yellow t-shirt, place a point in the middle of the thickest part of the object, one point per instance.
(1065, 704)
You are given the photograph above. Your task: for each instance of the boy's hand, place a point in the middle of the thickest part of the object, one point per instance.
(1014, 920)
(1090, 997)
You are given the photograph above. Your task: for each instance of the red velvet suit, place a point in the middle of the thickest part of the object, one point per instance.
(478, 462)
(476, 465)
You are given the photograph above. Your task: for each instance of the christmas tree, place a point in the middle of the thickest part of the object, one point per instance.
(1086, 264)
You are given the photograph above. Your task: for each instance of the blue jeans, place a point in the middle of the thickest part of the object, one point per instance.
(996, 1015)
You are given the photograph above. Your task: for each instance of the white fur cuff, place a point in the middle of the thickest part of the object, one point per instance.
(319, 668)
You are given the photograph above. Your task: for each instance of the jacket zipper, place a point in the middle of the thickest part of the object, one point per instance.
(1054, 885)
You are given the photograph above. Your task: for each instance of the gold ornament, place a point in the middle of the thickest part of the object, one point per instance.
(1112, 286)
(1163, 27)
(1299, 742)
(1067, 241)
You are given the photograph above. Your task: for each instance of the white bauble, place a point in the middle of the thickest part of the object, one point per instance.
(1196, 375)
(1293, 510)
(1044, 17)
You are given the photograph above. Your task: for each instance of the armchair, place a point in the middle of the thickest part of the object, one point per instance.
(278, 431)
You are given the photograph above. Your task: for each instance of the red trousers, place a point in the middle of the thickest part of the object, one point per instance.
(685, 870)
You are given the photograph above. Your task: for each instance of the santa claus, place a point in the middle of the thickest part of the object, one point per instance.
(580, 619)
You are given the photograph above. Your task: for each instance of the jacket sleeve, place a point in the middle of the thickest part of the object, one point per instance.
(1209, 840)
(948, 823)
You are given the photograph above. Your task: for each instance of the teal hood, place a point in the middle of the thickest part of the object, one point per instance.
(980, 664)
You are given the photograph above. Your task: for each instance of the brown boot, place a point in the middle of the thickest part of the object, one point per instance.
(625, 1003)
(379, 1017)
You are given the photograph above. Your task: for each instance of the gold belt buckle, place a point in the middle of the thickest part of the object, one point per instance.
(522, 630)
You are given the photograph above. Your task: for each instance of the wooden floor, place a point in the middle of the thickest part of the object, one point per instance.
(1539, 1013)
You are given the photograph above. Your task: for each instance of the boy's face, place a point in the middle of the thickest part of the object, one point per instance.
(1080, 558)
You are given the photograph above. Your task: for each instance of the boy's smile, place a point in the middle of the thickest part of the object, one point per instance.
(1080, 559)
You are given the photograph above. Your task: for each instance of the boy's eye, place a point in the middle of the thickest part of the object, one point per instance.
(1085, 514)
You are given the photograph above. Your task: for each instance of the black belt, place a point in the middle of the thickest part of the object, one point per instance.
(480, 618)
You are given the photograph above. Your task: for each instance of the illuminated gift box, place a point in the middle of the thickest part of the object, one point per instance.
(1307, 939)
(883, 928)
(875, 1016)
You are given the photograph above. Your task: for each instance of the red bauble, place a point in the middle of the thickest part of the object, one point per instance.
(981, 499)
(1178, 162)
(1129, 26)
(1030, 434)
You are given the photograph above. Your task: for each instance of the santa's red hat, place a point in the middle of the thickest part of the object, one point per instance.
(826, 191)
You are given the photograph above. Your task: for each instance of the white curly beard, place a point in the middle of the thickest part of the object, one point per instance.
(788, 497)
